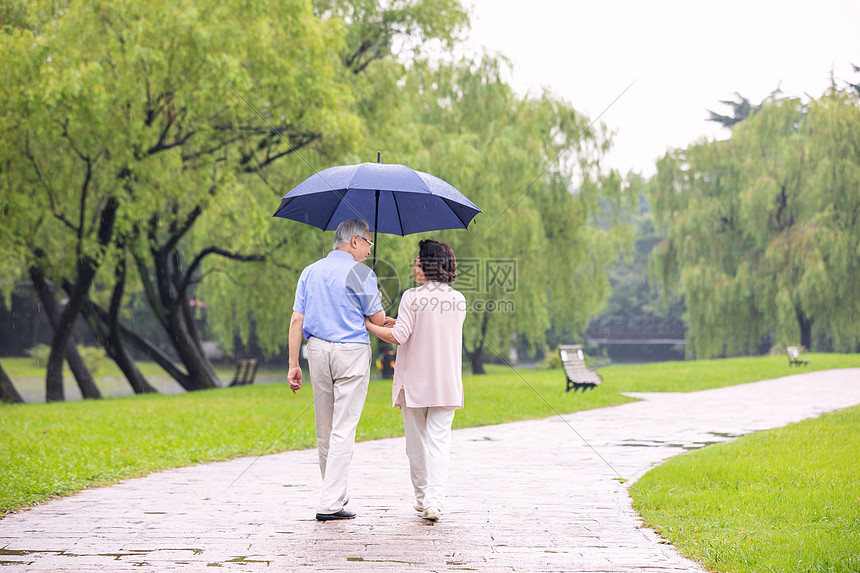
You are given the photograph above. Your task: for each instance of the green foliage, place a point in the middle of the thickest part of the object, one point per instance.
(373, 27)
(197, 131)
(165, 109)
(551, 360)
(634, 290)
(94, 357)
(39, 354)
(763, 230)
(533, 167)
(782, 500)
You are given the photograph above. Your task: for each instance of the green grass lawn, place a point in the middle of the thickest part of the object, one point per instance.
(782, 500)
(694, 375)
(56, 449)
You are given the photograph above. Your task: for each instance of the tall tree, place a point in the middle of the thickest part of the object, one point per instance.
(143, 119)
(378, 37)
(763, 230)
(35, 202)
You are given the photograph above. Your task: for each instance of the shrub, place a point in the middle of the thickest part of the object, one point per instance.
(550, 361)
(93, 356)
(39, 354)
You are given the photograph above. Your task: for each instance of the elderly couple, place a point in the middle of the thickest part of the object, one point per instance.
(337, 302)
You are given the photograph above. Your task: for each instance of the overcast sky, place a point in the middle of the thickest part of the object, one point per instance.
(684, 56)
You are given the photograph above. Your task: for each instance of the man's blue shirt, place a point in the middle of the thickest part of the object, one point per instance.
(335, 294)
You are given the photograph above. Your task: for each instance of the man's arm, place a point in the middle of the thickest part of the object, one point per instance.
(294, 374)
(378, 318)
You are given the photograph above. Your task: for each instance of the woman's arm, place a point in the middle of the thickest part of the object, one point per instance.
(380, 332)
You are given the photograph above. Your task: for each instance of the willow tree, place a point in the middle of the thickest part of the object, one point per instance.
(141, 116)
(763, 229)
(248, 301)
(536, 257)
(64, 210)
(291, 96)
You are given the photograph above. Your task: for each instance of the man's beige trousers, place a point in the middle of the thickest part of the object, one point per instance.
(340, 373)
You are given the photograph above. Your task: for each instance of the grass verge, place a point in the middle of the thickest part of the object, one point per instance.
(782, 500)
(49, 450)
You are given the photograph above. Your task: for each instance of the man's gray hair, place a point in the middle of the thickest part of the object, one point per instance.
(349, 229)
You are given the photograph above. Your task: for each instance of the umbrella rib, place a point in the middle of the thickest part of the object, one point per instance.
(397, 209)
(333, 211)
(465, 224)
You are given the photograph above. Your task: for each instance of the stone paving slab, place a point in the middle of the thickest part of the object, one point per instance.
(532, 496)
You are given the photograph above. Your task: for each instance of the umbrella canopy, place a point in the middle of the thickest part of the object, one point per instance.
(392, 198)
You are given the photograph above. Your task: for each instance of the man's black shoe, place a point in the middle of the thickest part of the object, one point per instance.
(342, 514)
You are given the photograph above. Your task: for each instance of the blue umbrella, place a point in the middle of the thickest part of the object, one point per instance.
(392, 198)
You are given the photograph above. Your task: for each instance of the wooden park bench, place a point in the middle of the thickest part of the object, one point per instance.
(246, 370)
(794, 357)
(578, 375)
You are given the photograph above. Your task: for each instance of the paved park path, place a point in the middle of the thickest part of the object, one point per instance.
(526, 496)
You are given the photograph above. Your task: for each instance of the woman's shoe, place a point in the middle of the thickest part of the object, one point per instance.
(431, 514)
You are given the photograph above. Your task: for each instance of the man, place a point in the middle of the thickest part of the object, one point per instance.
(333, 297)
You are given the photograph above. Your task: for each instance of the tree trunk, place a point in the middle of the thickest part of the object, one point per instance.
(168, 301)
(476, 360)
(184, 332)
(805, 325)
(201, 375)
(110, 338)
(476, 356)
(8, 393)
(79, 369)
(86, 273)
(115, 345)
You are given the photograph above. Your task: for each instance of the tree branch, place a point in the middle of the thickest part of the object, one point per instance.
(186, 225)
(58, 215)
(192, 268)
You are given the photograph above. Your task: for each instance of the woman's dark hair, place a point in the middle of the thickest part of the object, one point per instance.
(437, 261)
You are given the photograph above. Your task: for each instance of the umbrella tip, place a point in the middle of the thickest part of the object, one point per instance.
(379, 157)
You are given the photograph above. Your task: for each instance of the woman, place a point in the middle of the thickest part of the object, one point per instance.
(428, 381)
